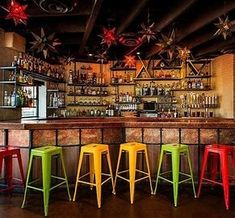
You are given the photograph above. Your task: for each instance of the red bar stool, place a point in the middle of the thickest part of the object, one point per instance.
(7, 154)
(217, 152)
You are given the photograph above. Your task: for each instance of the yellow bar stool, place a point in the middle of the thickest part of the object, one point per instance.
(133, 148)
(94, 152)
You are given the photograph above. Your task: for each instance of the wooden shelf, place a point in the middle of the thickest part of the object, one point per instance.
(122, 84)
(122, 69)
(74, 94)
(167, 68)
(205, 89)
(81, 84)
(35, 75)
(128, 103)
(155, 96)
(55, 107)
(202, 77)
(87, 105)
(156, 79)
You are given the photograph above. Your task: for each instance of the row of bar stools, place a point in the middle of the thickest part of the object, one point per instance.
(7, 154)
(94, 152)
(46, 153)
(176, 150)
(222, 153)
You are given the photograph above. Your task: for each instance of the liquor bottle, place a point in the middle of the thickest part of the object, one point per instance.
(5, 103)
(13, 99)
(14, 62)
(20, 60)
(70, 81)
(55, 100)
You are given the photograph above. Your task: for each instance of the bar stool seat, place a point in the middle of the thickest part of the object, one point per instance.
(222, 153)
(175, 150)
(46, 153)
(133, 148)
(94, 152)
(7, 154)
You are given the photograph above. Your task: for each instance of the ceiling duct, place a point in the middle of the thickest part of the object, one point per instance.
(56, 6)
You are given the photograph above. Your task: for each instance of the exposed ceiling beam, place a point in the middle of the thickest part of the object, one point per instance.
(170, 17)
(33, 13)
(136, 9)
(207, 15)
(214, 46)
(72, 27)
(90, 23)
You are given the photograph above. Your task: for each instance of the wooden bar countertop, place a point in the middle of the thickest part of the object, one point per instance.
(118, 122)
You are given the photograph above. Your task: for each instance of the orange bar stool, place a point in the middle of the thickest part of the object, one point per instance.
(94, 152)
(7, 154)
(222, 153)
(133, 148)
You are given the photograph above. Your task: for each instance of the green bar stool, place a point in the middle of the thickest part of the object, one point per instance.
(46, 154)
(175, 150)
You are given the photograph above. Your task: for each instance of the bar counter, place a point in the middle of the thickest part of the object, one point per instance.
(72, 133)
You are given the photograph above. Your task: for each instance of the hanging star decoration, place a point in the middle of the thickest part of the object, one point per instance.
(167, 44)
(225, 27)
(101, 56)
(147, 31)
(44, 43)
(108, 36)
(183, 54)
(16, 12)
(129, 61)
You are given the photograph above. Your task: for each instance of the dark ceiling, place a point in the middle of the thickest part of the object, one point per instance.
(79, 28)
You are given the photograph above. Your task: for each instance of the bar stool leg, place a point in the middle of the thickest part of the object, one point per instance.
(118, 164)
(20, 167)
(214, 167)
(27, 180)
(8, 163)
(65, 175)
(148, 168)
(1, 160)
(97, 166)
(78, 173)
(132, 169)
(225, 178)
(205, 157)
(191, 171)
(110, 170)
(92, 170)
(159, 170)
(175, 174)
(46, 177)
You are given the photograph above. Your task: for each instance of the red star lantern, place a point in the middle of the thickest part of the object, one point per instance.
(17, 12)
(129, 61)
(108, 36)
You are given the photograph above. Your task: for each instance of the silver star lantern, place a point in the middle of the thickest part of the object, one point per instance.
(44, 43)
(147, 32)
(225, 27)
(101, 56)
(167, 44)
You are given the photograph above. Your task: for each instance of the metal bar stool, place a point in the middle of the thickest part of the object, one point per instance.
(7, 154)
(133, 148)
(175, 150)
(217, 152)
(94, 152)
(46, 154)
